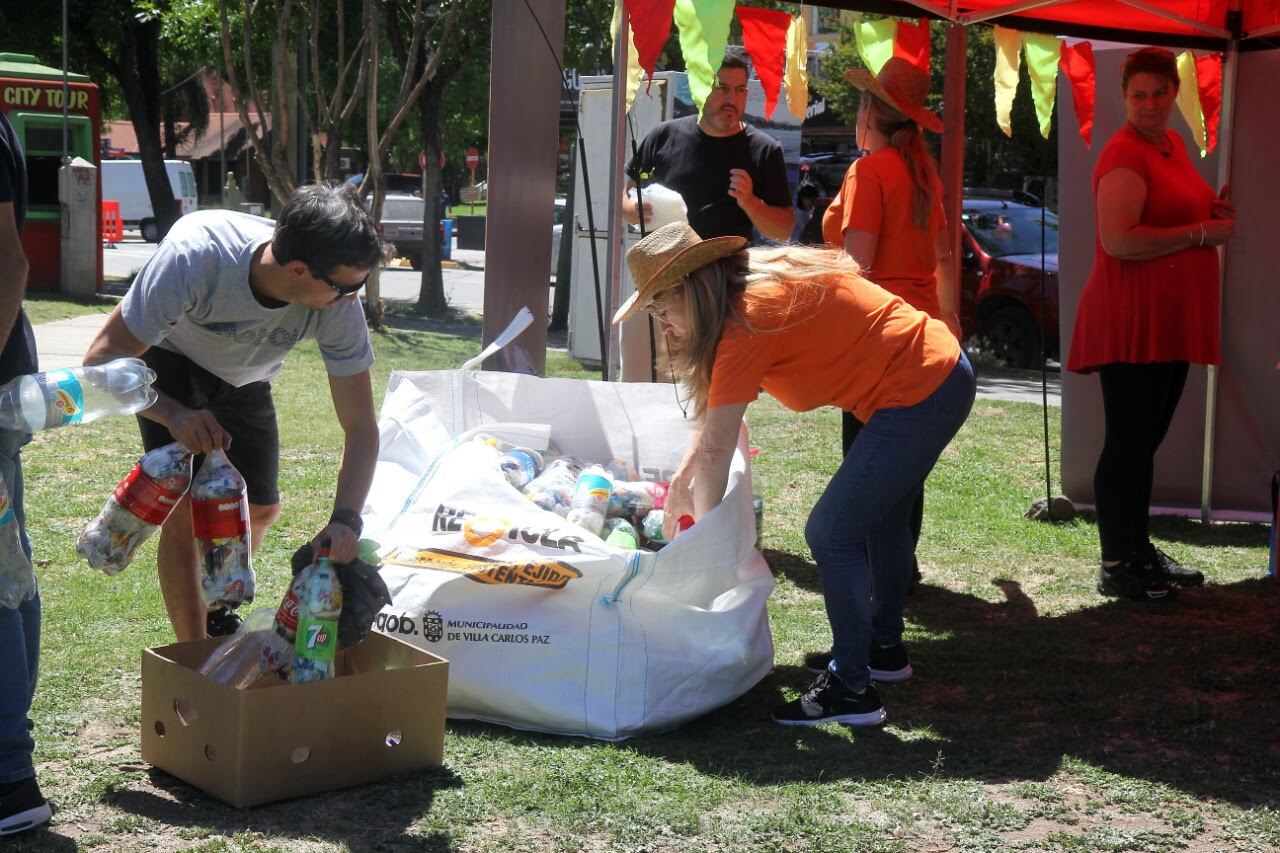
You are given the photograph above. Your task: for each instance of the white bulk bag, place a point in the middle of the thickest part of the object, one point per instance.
(547, 628)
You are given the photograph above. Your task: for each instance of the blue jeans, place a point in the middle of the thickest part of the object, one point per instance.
(19, 638)
(860, 532)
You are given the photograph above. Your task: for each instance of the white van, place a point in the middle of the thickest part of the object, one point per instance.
(122, 181)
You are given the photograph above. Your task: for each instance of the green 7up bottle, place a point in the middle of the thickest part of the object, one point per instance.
(319, 606)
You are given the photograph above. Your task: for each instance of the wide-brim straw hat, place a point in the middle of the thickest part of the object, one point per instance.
(663, 258)
(902, 86)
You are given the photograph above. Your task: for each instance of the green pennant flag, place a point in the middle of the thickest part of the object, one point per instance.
(704, 33)
(874, 41)
(1043, 53)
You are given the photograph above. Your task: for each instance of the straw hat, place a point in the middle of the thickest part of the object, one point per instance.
(663, 258)
(902, 86)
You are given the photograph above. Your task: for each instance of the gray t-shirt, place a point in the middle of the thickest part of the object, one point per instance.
(193, 297)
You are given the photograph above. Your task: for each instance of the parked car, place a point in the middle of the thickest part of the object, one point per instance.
(122, 181)
(1001, 281)
(400, 183)
(557, 229)
(402, 217)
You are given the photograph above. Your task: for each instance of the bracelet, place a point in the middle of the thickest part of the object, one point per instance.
(348, 517)
(1202, 232)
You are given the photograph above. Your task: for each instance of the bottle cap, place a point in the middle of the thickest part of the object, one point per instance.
(684, 522)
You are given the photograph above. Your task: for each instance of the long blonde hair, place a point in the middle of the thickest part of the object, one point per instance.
(907, 139)
(731, 289)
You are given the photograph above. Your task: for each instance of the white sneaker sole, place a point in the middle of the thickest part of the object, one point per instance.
(22, 821)
(892, 676)
(870, 718)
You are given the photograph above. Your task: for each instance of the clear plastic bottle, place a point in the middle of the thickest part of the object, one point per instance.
(553, 489)
(140, 503)
(17, 580)
(652, 528)
(76, 395)
(634, 500)
(238, 661)
(520, 466)
(620, 533)
(591, 499)
(220, 521)
(319, 609)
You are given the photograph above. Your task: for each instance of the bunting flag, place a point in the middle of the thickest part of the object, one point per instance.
(1008, 57)
(1189, 98)
(704, 33)
(650, 22)
(1043, 53)
(634, 71)
(911, 42)
(798, 68)
(1209, 76)
(764, 35)
(875, 42)
(1078, 65)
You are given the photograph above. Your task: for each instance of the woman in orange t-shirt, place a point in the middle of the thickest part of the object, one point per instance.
(801, 324)
(888, 216)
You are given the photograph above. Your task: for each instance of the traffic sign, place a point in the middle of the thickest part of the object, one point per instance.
(473, 158)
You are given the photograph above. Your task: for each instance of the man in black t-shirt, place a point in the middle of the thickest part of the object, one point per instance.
(21, 804)
(732, 177)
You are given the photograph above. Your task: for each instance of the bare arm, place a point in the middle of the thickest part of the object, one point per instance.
(13, 270)
(353, 404)
(861, 246)
(1121, 196)
(771, 221)
(629, 211)
(700, 482)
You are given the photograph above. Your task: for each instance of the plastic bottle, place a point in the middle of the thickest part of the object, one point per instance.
(620, 533)
(591, 499)
(277, 653)
(17, 580)
(140, 503)
(319, 609)
(238, 661)
(553, 489)
(220, 521)
(634, 500)
(76, 395)
(652, 526)
(520, 466)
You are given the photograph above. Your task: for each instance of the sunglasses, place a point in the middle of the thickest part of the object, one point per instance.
(344, 289)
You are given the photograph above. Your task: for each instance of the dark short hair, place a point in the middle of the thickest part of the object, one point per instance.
(736, 57)
(325, 226)
(1150, 60)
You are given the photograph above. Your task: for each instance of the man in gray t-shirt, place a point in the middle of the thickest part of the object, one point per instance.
(214, 312)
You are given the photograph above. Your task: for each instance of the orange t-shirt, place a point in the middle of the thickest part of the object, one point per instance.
(878, 197)
(852, 345)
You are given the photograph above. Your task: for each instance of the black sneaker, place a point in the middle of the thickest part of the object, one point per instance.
(889, 664)
(22, 807)
(1139, 581)
(1173, 572)
(222, 622)
(829, 700)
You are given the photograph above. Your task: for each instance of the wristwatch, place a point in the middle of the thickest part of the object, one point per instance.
(350, 518)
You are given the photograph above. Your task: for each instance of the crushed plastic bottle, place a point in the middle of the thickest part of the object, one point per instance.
(220, 521)
(520, 465)
(634, 500)
(591, 499)
(17, 580)
(238, 662)
(76, 395)
(553, 489)
(620, 533)
(140, 503)
(319, 609)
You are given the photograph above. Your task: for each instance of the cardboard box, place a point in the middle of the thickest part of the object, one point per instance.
(383, 714)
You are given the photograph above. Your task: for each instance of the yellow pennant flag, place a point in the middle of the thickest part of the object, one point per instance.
(1189, 99)
(1008, 58)
(874, 41)
(797, 74)
(1043, 53)
(634, 71)
(704, 33)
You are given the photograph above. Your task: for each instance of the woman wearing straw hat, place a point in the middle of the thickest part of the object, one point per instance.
(803, 325)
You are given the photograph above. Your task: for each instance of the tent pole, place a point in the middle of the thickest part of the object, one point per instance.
(1230, 71)
(615, 225)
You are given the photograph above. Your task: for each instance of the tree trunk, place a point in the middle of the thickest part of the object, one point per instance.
(431, 299)
(140, 85)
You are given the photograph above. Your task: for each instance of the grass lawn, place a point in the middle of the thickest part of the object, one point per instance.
(478, 209)
(47, 307)
(1041, 717)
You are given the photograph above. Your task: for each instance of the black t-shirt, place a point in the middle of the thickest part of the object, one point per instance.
(678, 155)
(19, 354)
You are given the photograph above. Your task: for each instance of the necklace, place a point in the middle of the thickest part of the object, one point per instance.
(1164, 146)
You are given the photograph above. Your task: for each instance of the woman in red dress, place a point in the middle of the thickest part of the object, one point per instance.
(1148, 311)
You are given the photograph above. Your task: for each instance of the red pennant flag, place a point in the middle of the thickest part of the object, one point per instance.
(912, 43)
(1209, 75)
(650, 22)
(764, 35)
(1077, 63)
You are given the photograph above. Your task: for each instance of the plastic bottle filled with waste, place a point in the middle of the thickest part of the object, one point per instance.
(553, 489)
(220, 521)
(238, 661)
(76, 395)
(277, 651)
(620, 533)
(319, 609)
(520, 465)
(591, 499)
(140, 503)
(634, 500)
(17, 580)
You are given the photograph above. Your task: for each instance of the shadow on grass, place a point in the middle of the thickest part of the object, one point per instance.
(372, 817)
(1174, 693)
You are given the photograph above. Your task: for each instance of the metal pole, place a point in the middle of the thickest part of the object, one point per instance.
(1230, 70)
(617, 140)
(66, 92)
(222, 146)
